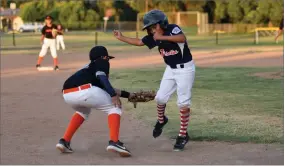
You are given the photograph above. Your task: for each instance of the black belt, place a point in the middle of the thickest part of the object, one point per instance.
(175, 67)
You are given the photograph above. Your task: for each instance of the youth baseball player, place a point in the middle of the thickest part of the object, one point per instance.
(179, 73)
(90, 88)
(59, 38)
(48, 41)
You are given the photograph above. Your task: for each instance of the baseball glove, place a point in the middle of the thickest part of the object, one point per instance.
(54, 32)
(142, 96)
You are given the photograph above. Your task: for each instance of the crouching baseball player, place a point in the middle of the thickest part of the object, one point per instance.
(49, 33)
(90, 88)
(179, 73)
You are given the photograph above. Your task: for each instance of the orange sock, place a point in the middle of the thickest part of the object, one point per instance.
(55, 61)
(74, 124)
(40, 59)
(114, 126)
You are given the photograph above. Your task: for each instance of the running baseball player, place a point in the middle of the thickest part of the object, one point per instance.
(90, 88)
(48, 41)
(59, 38)
(179, 73)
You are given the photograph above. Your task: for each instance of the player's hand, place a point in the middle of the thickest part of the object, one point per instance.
(116, 101)
(157, 36)
(117, 34)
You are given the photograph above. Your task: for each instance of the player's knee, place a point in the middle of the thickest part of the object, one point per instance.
(114, 111)
(84, 115)
(160, 99)
(184, 104)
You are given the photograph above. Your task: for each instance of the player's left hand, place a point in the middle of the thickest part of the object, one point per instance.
(116, 101)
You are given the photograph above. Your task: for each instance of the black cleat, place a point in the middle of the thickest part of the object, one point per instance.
(158, 127)
(64, 146)
(119, 148)
(181, 142)
(56, 68)
(38, 66)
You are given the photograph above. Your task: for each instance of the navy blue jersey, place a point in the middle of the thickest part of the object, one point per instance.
(172, 53)
(47, 31)
(87, 74)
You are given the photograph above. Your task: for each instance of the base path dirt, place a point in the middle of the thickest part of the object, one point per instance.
(34, 116)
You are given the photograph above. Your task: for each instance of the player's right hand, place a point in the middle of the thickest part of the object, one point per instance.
(117, 34)
(116, 101)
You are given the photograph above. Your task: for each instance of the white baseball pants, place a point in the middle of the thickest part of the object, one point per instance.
(84, 100)
(59, 41)
(48, 43)
(180, 79)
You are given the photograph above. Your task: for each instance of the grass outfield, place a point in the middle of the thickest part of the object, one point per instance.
(228, 104)
(29, 43)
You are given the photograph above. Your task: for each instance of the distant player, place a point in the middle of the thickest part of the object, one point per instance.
(59, 38)
(90, 88)
(179, 73)
(281, 27)
(48, 41)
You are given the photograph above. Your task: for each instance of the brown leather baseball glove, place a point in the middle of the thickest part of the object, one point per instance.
(142, 96)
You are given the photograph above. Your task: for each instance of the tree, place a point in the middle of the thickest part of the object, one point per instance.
(194, 5)
(166, 5)
(29, 12)
(235, 11)
(138, 5)
(276, 12)
(221, 11)
(125, 12)
(91, 20)
(209, 8)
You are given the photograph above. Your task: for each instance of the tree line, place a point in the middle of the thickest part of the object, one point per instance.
(89, 13)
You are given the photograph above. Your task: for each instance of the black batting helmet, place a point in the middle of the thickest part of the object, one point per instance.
(154, 17)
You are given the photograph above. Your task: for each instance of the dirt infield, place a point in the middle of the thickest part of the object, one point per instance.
(34, 117)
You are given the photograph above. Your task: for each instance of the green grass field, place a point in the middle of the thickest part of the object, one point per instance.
(78, 41)
(228, 104)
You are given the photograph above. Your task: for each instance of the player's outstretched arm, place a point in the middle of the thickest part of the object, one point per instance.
(132, 41)
(180, 38)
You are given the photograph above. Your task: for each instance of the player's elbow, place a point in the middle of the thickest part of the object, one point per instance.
(140, 43)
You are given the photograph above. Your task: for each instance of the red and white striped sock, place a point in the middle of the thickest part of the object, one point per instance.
(160, 112)
(184, 120)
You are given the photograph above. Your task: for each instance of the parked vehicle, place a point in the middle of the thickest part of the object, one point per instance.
(31, 27)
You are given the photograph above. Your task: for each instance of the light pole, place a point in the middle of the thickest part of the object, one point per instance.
(13, 13)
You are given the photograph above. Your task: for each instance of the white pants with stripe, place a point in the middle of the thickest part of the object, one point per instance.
(84, 100)
(180, 79)
(48, 43)
(59, 41)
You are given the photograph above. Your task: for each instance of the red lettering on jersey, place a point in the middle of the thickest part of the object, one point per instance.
(48, 30)
(169, 53)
